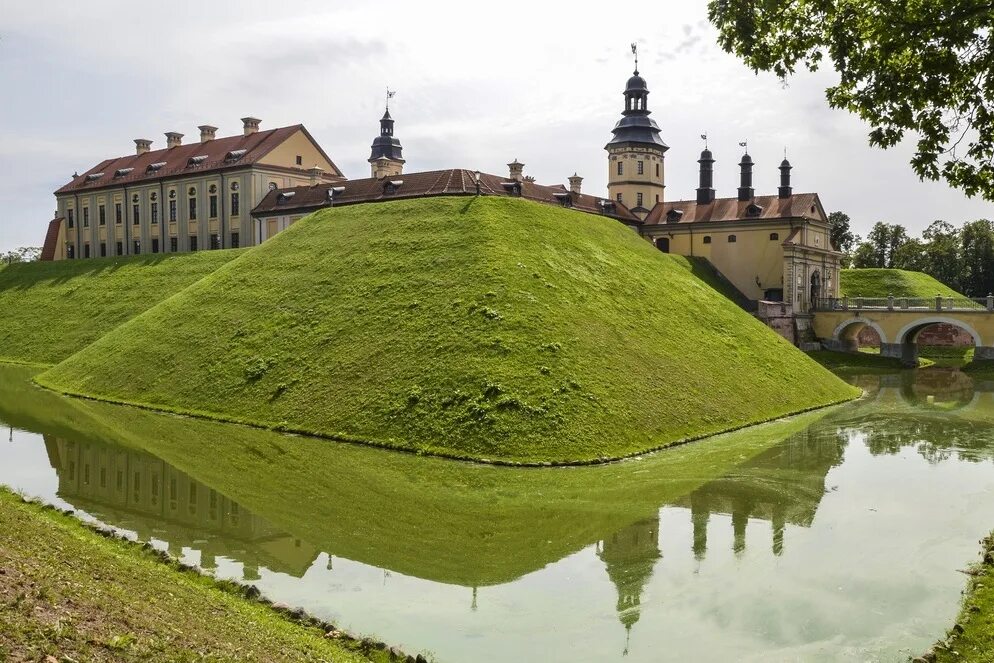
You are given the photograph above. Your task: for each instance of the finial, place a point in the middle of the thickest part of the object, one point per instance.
(745, 144)
(704, 137)
(390, 94)
(635, 52)
(785, 152)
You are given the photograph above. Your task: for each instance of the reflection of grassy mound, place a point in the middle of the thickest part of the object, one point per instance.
(475, 327)
(446, 521)
(886, 282)
(49, 310)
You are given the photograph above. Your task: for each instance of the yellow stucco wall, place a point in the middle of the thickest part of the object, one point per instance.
(298, 144)
(894, 326)
(629, 183)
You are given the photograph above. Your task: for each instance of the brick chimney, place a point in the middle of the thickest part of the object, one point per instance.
(315, 174)
(250, 125)
(142, 145)
(207, 132)
(516, 169)
(173, 139)
(574, 184)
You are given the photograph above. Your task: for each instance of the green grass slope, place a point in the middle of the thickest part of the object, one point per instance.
(886, 282)
(484, 328)
(50, 310)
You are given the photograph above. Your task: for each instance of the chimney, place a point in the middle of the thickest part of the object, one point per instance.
(250, 125)
(173, 139)
(207, 132)
(574, 184)
(705, 192)
(517, 170)
(746, 192)
(315, 174)
(142, 145)
(785, 190)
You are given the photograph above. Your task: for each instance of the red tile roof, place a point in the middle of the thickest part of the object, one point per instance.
(176, 160)
(453, 182)
(51, 239)
(732, 209)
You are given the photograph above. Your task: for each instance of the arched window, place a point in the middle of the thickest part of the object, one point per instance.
(707, 239)
(774, 237)
(731, 239)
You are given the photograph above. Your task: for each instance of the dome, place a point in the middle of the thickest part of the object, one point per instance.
(746, 158)
(636, 84)
(785, 164)
(706, 155)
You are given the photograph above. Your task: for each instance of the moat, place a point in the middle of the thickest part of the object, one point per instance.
(837, 535)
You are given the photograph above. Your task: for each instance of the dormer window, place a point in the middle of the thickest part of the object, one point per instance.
(121, 172)
(94, 176)
(754, 210)
(155, 167)
(564, 198)
(674, 216)
(391, 186)
(234, 155)
(197, 160)
(285, 197)
(512, 188)
(334, 192)
(607, 206)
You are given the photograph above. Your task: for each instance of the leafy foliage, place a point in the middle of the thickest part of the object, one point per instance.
(920, 67)
(538, 334)
(21, 254)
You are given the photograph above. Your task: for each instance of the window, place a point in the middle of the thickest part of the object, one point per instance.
(102, 215)
(707, 239)
(86, 250)
(138, 247)
(103, 249)
(638, 198)
(619, 197)
(234, 240)
(70, 217)
(155, 213)
(193, 209)
(215, 242)
(657, 170)
(155, 245)
(86, 217)
(621, 168)
(173, 245)
(774, 237)
(172, 211)
(657, 197)
(70, 251)
(300, 160)
(212, 201)
(193, 242)
(641, 167)
(118, 213)
(234, 204)
(135, 216)
(731, 239)
(120, 249)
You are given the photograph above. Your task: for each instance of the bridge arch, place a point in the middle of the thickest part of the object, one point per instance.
(909, 333)
(847, 333)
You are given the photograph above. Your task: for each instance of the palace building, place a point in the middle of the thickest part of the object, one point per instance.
(774, 250)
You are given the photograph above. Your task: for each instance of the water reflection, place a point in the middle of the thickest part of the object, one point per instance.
(282, 508)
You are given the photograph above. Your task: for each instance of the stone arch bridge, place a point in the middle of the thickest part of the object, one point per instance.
(898, 321)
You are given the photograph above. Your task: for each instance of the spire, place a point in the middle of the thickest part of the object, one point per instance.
(630, 556)
(386, 154)
(705, 191)
(785, 190)
(636, 126)
(746, 192)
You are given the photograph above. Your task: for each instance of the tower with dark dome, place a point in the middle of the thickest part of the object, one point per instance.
(635, 153)
(386, 156)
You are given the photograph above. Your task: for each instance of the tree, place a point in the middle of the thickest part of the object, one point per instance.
(911, 256)
(842, 235)
(920, 67)
(977, 239)
(21, 254)
(886, 239)
(942, 254)
(865, 256)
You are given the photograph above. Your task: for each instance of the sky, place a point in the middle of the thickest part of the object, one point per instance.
(541, 83)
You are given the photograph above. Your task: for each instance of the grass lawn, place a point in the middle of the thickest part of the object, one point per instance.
(863, 361)
(476, 327)
(71, 594)
(972, 638)
(49, 310)
(886, 282)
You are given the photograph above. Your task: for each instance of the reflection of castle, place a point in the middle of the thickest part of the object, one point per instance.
(630, 555)
(136, 491)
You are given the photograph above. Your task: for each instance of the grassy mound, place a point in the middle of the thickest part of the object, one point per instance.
(485, 328)
(50, 310)
(886, 282)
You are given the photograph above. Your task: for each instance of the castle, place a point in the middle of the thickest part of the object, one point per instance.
(241, 190)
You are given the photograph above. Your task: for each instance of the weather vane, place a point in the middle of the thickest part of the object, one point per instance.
(390, 94)
(635, 52)
(704, 137)
(745, 144)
